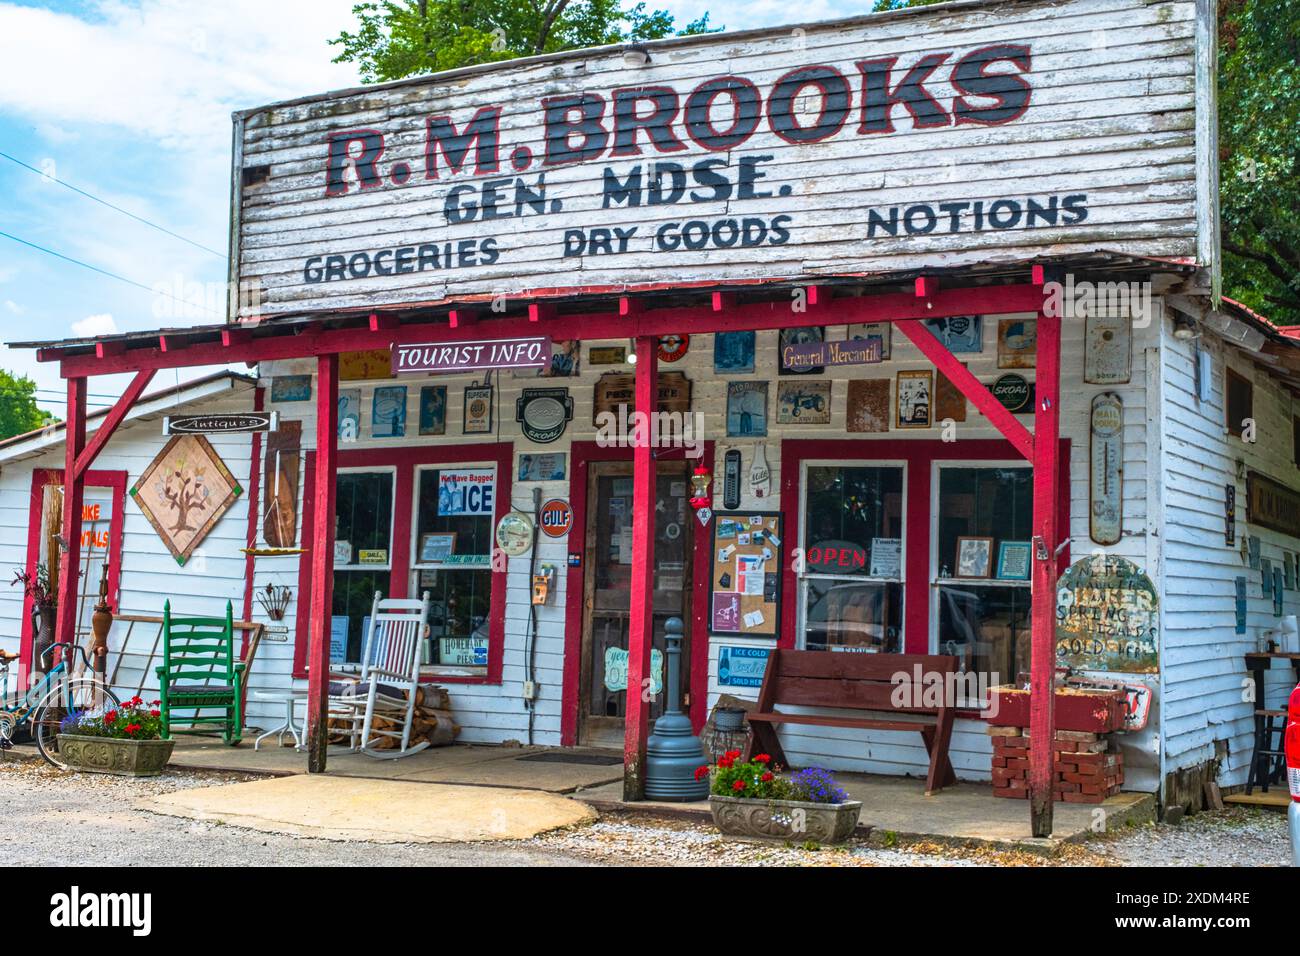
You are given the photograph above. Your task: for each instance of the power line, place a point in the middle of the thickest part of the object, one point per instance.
(105, 272)
(104, 202)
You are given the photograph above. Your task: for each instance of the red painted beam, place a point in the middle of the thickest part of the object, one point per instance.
(383, 323)
(1042, 719)
(695, 320)
(74, 496)
(628, 306)
(970, 386)
(116, 415)
(641, 623)
(322, 559)
(458, 317)
(103, 349)
(233, 337)
(538, 311)
(722, 301)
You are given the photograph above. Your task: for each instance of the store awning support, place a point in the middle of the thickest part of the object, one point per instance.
(641, 624)
(322, 560)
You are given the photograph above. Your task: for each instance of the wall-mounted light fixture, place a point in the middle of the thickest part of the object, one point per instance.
(1184, 327)
(636, 56)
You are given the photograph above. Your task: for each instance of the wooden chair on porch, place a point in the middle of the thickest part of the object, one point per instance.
(199, 680)
(380, 702)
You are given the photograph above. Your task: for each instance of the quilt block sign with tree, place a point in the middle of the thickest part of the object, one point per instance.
(184, 492)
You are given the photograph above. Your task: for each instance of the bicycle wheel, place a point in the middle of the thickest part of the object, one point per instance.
(78, 697)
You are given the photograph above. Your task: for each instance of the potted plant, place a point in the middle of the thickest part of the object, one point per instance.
(45, 609)
(124, 741)
(753, 799)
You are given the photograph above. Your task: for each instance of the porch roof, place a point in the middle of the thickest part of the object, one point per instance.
(580, 302)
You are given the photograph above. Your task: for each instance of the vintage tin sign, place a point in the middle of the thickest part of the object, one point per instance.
(543, 413)
(1106, 477)
(1271, 504)
(557, 518)
(1107, 350)
(1107, 616)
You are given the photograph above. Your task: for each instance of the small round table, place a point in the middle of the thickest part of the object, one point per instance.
(289, 698)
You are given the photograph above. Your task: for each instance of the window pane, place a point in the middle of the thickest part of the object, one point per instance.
(473, 531)
(988, 627)
(354, 596)
(365, 511)
(852, 615)
(854, 507)
(995, 503)
(460, 597)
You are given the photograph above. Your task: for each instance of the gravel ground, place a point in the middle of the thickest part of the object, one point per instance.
(53, 818)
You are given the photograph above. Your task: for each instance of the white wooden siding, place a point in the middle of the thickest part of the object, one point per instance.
(1205, 675)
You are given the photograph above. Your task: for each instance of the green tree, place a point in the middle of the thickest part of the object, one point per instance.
(1259, 154)
(19, 412)
(397, 38)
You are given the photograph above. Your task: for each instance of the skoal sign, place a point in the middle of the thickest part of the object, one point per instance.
(966, 133)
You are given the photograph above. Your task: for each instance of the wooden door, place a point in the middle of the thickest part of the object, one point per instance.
(607, 596)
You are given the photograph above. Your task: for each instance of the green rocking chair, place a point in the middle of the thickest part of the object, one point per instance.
(200, 682)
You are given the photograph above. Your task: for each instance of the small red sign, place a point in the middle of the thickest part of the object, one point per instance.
(557, 518)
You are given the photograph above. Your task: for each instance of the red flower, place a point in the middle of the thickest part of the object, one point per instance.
(701, 773)
(110, 717)
(766, 777)
(726, 763)
(136, 701)
(132, 728)
(155, 713)
(762, 758)
(732, 754)
(738, 785)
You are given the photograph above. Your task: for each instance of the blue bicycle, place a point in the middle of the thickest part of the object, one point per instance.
(57, 695)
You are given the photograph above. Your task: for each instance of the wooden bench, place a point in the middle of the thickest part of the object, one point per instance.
(860, 682)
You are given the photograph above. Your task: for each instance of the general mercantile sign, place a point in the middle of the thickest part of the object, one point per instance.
(1271, 504)
(970, 132)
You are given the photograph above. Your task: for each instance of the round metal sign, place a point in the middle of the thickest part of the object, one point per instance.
(514, 533)
(1013, 392)
(557, 518)
(543, 413)
(673, 348)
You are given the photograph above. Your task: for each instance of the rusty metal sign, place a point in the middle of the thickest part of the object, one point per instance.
(1107, 617)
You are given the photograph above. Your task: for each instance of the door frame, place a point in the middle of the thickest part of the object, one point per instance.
(581, 453)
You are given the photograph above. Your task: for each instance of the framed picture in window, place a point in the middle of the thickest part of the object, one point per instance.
(974, 557)
(1013, 561)
(437, 546)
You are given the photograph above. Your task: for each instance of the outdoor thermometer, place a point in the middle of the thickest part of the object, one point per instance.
(731, 480)
(1105, 497)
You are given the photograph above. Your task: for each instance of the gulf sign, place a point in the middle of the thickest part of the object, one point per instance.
(557, 518)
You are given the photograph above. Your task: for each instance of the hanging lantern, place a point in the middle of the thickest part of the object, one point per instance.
(700, 480)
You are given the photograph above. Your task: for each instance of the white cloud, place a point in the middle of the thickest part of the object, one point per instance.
(93, 325)
(13, 308)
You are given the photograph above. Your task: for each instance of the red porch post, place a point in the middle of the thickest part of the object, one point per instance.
(641, 624)
(1042, 719)
(74, 496)
(322, 559)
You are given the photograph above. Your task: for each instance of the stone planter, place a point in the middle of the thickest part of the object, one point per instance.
(127, 758)
(780, 819)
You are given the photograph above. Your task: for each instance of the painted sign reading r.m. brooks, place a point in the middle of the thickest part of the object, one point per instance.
(1271, 504)
(887, 141)
(1107, 616)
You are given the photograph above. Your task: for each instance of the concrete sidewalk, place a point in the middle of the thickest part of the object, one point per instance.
(895, 809)
(392, 811)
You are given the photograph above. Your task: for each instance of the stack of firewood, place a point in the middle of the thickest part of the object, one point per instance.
(432, 720)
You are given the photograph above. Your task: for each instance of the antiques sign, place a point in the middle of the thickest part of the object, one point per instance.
(762, 154)
(1107, 616)
(218, 424)
(532, 352)
(1272, 505)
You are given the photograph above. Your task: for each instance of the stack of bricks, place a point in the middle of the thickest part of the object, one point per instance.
(1087, 768)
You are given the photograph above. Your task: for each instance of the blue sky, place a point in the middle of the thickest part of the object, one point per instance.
(131, 101)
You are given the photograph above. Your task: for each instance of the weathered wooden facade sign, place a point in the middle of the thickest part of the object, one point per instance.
(221, 423)
(184, 492)
(836, 148)
(618, 388)
(1107, 616)
(1271, 504)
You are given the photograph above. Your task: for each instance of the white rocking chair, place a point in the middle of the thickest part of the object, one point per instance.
(389, 681)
